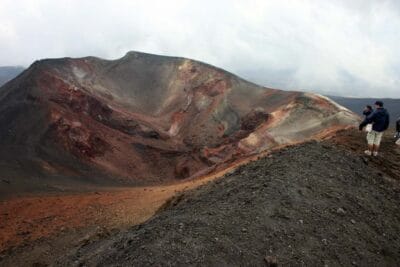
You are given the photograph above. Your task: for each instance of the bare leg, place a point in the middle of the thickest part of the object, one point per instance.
(375, 148)
(371, 148)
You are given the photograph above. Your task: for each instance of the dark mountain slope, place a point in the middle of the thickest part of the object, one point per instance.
(313, 204)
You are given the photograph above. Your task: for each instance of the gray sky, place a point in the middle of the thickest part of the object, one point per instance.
(341, 47)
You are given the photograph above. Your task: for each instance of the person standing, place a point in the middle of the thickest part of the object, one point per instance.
(380, 123)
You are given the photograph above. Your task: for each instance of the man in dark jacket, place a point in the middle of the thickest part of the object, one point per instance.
(380, 122)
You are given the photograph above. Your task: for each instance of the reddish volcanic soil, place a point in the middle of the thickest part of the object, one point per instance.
(26, 219)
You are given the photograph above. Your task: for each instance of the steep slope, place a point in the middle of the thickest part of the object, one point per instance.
(312, 204)
(144, 119)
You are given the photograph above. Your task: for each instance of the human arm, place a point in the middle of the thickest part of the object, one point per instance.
(367, 120)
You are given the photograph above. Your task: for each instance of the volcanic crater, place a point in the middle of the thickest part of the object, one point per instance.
(145, 119)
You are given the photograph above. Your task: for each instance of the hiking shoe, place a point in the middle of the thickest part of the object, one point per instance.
(375, 154)
(367, 152)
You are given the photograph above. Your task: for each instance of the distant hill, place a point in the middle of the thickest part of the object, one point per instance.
(8, 73)
(357, 105)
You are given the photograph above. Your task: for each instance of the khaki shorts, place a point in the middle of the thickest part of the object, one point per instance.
(374, 138)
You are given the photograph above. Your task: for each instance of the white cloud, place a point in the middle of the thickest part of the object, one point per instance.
(341, 47)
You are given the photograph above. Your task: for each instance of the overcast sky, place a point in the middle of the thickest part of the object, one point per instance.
(341, 47)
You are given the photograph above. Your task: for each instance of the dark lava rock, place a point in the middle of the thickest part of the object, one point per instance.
(269, 198)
